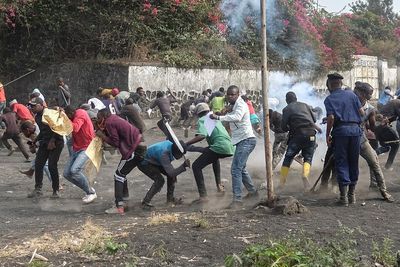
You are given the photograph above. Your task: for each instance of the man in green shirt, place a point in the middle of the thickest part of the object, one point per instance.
(219, 146)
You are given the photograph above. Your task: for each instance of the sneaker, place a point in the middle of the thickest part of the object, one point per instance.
(220, 188)
(35, 193)
(387, 197)
(89, 198)
(55, 195)
(28, 173)
(116, 210)
(147, 206)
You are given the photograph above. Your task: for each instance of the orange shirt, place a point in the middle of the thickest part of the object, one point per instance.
(2, 95)
(23, 113)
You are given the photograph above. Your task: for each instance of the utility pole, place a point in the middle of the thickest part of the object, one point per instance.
(264, 86)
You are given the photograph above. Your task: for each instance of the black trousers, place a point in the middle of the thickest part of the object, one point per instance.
(42, 155)
(155, 173)
(163, 128)
(125, 166)
(206, 158)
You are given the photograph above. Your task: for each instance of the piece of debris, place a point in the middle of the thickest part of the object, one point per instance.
(38, 256)
(193, 259)
(363, 204)
(245, 239)
(289, 206)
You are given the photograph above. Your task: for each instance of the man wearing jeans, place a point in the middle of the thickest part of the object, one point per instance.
(82, 135)
(244, 140)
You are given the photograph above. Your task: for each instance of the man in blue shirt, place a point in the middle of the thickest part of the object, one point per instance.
(157, 162)
(344, 112)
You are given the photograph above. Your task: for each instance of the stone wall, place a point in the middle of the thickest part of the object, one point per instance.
(83, 78)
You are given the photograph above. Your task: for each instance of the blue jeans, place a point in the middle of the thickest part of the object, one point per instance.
(238, 169)
(305, 144)
(73, 171)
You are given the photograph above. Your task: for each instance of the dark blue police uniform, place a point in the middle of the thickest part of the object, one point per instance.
(344, 105)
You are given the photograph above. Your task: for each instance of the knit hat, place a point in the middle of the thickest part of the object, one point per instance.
(12, 102)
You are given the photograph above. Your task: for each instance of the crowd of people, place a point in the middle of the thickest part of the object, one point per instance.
(226, 119)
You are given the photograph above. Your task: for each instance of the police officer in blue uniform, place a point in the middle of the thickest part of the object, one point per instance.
(344, 112)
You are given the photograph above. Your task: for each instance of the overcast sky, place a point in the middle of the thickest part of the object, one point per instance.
(338, 5)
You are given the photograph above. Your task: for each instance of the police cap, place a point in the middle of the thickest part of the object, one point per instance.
(335, 76)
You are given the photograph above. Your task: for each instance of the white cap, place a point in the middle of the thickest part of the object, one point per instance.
(12, 102)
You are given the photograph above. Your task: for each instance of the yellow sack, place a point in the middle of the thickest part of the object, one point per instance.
(57, 121)
(95, 152)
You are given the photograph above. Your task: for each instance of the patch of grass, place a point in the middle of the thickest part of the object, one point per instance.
(199, 221)
(112, 247)
(384, 253)
(157, 219)
(297, 250)
(161, 252)
(90, 238)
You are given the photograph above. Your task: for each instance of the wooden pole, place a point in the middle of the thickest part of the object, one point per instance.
(264, 86)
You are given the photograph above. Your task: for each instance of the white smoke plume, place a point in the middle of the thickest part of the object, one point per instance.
(236, 12)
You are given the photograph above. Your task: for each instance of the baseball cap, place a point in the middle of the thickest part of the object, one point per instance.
(201, 107)
(35, 101)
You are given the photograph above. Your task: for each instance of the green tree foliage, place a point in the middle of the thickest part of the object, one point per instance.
(381, 8)
(192, 33)
(377, 26)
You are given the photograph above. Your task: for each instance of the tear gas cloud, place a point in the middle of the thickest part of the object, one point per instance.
(237, 11)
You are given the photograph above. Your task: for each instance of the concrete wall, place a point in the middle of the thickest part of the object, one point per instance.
(160, 78)
(367, 69)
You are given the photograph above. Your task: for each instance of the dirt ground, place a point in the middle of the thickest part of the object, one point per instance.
(199, 236)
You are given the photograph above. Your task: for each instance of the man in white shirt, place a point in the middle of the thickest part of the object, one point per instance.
(244, 140)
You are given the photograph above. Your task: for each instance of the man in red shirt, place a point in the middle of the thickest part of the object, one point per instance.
(12, 132)
(82, 135)
(23, 113)
(2, 98)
